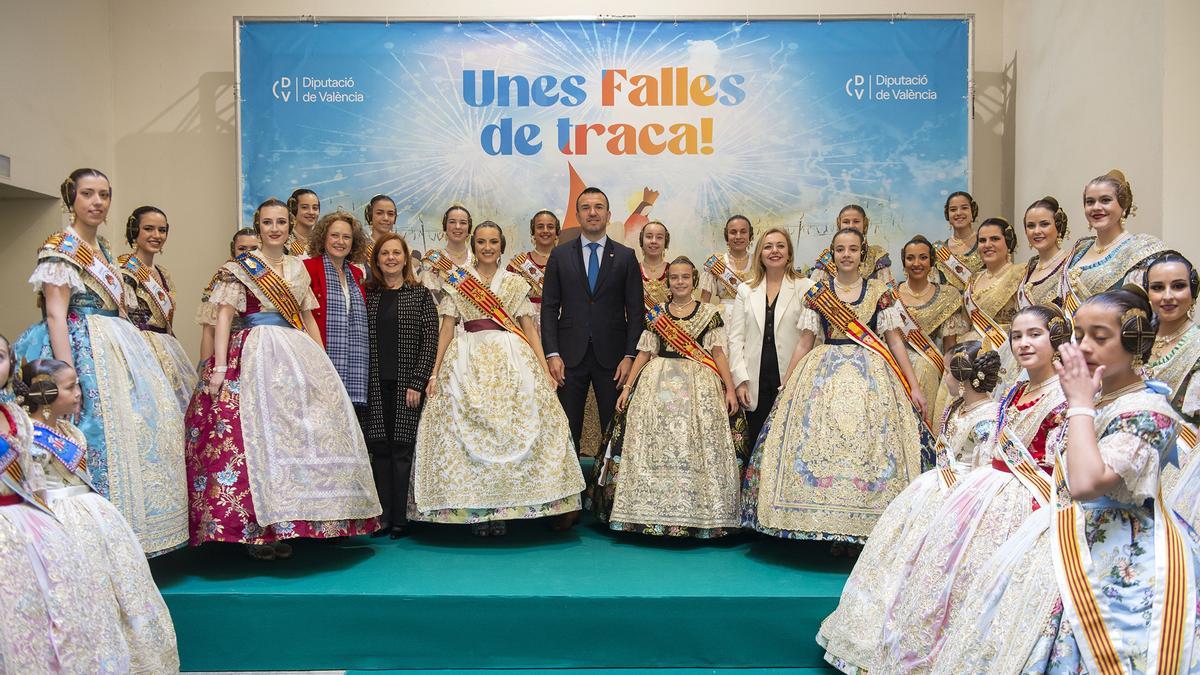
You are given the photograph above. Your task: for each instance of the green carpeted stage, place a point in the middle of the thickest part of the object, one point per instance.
(536, 599)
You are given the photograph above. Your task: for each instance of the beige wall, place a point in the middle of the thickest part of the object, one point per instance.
(161, 79)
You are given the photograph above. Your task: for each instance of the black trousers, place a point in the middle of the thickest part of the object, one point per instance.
(573, 394)
(391, 463)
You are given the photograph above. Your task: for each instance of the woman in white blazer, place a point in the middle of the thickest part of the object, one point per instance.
(763, 329)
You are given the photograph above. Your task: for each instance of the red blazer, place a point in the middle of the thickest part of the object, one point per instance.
(316, 275)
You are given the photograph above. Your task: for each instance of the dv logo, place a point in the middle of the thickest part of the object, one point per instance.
(282, 88)
(854, 87)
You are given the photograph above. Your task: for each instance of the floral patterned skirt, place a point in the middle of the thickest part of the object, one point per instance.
(219, 500)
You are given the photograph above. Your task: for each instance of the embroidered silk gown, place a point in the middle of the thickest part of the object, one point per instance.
(1122, 265)
(1043, 290)
(278, 453)
(656, 288)
(53, 617)
(843, 439)
(154, 315)
(981, 513)
(970, 260)
(113, 562)
(673, 467)
(1015, 621)
(850, 635)
(1177, 370)
(720, 293)
(130, 416)
(938, 317)
(493, 443)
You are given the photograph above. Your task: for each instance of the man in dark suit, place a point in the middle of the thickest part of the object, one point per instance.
(592, 313)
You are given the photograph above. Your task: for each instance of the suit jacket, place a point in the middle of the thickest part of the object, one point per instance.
(746, 321)
(316, 275)
(612, 316)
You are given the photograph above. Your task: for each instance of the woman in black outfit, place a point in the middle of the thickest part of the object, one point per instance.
(402, 324)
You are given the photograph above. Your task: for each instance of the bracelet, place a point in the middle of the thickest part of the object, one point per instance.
(1081, 411)
(220, 369)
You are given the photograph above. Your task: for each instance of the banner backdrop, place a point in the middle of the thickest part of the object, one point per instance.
(784, 121)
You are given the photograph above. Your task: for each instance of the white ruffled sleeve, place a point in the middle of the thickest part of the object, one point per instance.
(525, 308)
(888, 319)
(1191, 397)
(648, 342)
(229, 293)
(1135, 461)
(56, 273)
(808, 320)
(447, 307)
(715, 338)
(709, 283)
(309, 302)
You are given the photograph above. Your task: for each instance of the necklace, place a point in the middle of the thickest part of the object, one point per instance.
(852, 288)
(1100, 250)
(1168, 339)
(1042, 266)
(989, 275)
(680, 308)
(1105, 399)
(487, 278)
(739, 263)
(278, 262)
(962, 243)
(1034, 388)
(920, 298)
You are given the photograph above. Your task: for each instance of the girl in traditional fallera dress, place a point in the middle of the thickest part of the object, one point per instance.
(403, 345)
(114, 562)
(844, 438)
(274, 451)
(53, 618)
(875, 264)
(764, 327)
(671, 467)
(243, 241)
(130, 415)
(456, 225)
(334, 244)
(654, 238)
(380, 214)
(544, 229)
(724, 272)
(1046, 229)
(986, 506)
(304, 206)
(154, 312)
(1114, 256)
(850, 635)
(1104, 578)
(493, 444)
(958, 255)
(933, 317)
(1172, 284)
(990, 299)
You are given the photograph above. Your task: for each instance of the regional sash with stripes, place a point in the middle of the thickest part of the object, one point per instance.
(479, 295)
(13, 476)
(915, 337)
(68, 453)
(274, 287)
(825, 262)
(73, 248)
(160, 298)
(946, 475)
(522, 264)
(1172, 615)
(821, 298)
(730, 279)
(296, 245)
(951, 264)
(1012, 451)
(669, 331)
(1071, 298)
(992, 333)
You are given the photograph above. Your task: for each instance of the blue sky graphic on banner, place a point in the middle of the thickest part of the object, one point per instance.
(784, 121)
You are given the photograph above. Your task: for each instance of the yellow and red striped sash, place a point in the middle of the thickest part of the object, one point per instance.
(667, 329)
(274, 287)
(916, 337)
(479, 295)
(953, 265)
(992, 333)
(77, 250)
(728, 277)
(825, 262)
(1066, 290)
(523, 265)
(1016, 456)
(1173, 606)
(941, 456)
(158, 295)
(296, 245)
(825, 301)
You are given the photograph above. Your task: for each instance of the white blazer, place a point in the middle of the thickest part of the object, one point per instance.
(746, 319)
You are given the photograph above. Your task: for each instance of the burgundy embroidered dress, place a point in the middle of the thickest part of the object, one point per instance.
(278, 454)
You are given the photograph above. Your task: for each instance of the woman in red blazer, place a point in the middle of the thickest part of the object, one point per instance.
(337, 240)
